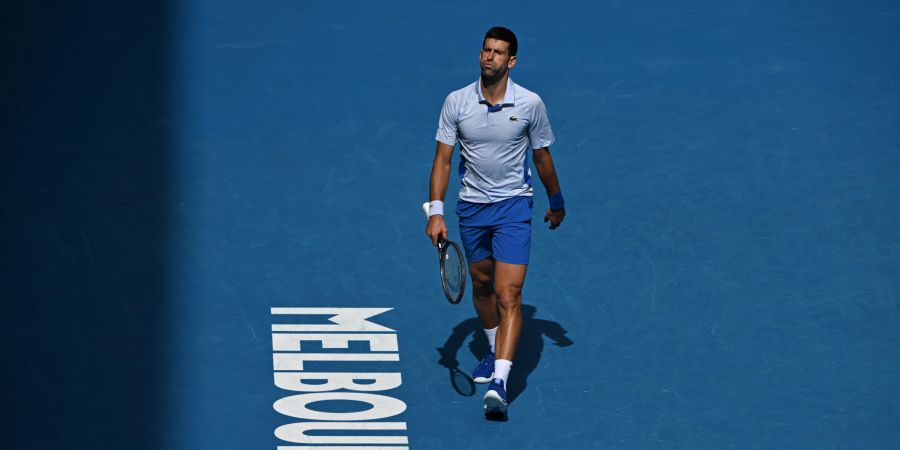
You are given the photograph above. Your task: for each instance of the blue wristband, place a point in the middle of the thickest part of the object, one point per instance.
(557, 201)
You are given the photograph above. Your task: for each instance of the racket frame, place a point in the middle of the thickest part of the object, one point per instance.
(445, 246)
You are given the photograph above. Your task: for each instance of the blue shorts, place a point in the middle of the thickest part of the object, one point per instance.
(501, 230)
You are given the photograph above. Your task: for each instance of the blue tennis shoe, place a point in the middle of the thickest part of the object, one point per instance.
(495, 399)
(484, 372)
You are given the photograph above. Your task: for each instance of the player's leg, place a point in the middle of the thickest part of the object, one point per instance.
(477, 243)
(483, 295)
(508, 282)
(485, 300)
(512, 246)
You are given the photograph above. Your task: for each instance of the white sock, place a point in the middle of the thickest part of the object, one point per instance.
(501, 370)
(492, 337)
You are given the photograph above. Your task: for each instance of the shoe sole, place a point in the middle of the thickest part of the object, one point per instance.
(493, 404)
(481, 380)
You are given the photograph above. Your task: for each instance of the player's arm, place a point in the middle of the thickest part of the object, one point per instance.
(543, 162)
(440, 178)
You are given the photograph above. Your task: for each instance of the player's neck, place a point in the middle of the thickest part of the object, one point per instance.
(494, 89)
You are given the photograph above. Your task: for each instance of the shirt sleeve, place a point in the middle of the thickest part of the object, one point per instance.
(449, 121)
(539, 133)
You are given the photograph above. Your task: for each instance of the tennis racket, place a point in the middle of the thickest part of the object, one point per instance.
(453, 267)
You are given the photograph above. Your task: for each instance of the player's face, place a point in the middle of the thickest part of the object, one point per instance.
(495, 60)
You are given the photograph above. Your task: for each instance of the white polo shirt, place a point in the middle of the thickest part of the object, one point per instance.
(494, 140)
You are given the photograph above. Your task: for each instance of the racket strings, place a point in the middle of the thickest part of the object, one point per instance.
(454, 275)
(453, 271)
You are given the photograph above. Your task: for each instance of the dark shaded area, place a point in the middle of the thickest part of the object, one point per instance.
(82, 178)
(528, 353)
(462, 383)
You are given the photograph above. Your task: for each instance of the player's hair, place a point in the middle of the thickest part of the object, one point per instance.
(503, 34)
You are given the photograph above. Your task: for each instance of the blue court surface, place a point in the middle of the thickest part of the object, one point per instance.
(178, 179)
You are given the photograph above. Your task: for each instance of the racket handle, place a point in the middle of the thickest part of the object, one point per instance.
(426, 207)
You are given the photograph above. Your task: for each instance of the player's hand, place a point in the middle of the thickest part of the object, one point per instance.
(555, 217)
(436, 228)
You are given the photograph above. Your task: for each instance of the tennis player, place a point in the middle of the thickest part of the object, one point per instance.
(496, 123)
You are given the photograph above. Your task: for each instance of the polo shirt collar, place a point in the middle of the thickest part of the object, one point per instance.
(509, 98)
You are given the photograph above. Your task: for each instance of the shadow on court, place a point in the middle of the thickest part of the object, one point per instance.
(83, 174)
(528, 353)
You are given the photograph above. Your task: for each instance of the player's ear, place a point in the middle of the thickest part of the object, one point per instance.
(512, 61)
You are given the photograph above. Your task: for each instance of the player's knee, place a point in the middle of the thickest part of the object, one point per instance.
(482, 287)
(510, 297)
(481, 280)
(483, 292)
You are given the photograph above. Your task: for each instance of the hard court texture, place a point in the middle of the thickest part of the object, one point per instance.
(727, 276)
